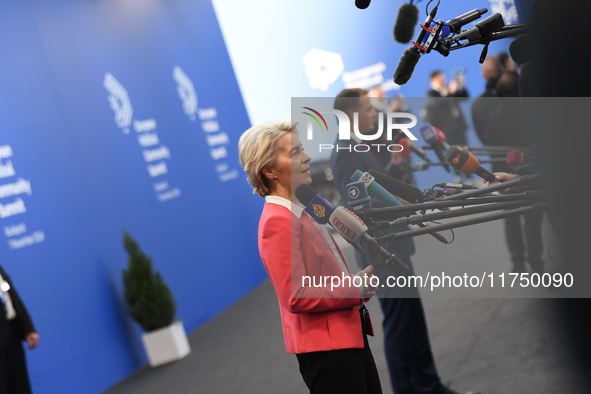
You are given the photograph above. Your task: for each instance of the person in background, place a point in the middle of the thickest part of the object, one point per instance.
(481, 106)
(406, 339)
(16, 326)
(383, 103)
(443, 111)
(490, 71)
(505, 62)
(500, 121)
(326, 328)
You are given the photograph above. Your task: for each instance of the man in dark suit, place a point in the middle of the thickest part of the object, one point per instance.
(407, 348)
(16, 325)
(443, 111)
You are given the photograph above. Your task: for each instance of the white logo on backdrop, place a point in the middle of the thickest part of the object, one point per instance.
(365, 77)
(322, 68)
(120, 103)
(186, 92)
(506, 8)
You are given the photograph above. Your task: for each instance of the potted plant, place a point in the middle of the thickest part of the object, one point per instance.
(152, 306)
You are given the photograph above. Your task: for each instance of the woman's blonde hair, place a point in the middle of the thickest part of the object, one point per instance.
(258, 148)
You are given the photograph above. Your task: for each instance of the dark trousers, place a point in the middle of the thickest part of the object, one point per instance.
(14, 378)
(343, 371)
(407, 347)
(406, 338)
(530, 239)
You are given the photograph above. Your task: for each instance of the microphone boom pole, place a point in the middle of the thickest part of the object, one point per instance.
(425, 166)
(522, 181)
(529, 196)
(464, 223)
(429, 217)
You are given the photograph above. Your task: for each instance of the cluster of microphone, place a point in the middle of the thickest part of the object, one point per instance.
(445, 37)
(430, 37)
(345, 222)
(462, 158)
(403, 204)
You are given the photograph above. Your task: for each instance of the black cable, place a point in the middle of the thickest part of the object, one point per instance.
(451, 230)
(427, 7)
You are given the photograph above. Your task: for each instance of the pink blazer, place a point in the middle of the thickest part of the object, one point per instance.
(313, 318)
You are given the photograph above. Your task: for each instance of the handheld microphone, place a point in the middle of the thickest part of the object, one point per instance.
(305, 193)
(437, 141)
(466, 162)
(429, 134)
(317, 206)
(441, 138)
(407, 18)
(357, 196)
(396, 187)
(375, 189)
(350, 227)
(405, 143)
(516, 158)
(353, 229)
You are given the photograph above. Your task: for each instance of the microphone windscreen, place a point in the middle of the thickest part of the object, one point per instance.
(375, 189)
(396, 187)
(357, 196)
(516, 159)
(405, 143)
(404, 28)
(429, 133)
(440, 135)
(305, 193)
(406, 66)
(362, 4)
(346, 223)
(462, 160)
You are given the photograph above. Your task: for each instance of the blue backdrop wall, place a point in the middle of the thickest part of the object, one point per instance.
(118, 115)
(125, 114)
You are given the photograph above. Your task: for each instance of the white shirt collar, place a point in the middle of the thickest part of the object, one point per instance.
(10, 311)
(293, 207)
(355, 138)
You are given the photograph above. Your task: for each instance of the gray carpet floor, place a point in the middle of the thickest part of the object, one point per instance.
(490, 345)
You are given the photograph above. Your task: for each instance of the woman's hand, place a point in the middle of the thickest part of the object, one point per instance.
(366, 276)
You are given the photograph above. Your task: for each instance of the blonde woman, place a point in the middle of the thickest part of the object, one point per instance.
(325, 327)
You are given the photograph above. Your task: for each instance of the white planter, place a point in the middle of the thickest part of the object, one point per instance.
(166, 344)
